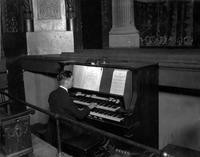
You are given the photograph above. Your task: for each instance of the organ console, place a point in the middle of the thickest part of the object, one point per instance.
(126, 97)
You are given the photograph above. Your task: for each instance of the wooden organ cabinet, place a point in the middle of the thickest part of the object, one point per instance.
(126, 94)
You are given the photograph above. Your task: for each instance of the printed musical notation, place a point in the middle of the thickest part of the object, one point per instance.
(118, 81)
(87, 77)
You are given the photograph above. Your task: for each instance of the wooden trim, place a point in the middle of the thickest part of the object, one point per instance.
(182, 91)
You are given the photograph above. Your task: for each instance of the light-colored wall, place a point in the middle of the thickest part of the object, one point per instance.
(49, 42)
(37, 89)
(179, 120)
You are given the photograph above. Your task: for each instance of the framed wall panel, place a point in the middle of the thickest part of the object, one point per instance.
(49, 15)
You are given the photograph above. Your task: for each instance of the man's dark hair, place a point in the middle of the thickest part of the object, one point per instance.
(64, 75)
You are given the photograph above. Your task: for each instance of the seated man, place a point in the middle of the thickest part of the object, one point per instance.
(60, 102)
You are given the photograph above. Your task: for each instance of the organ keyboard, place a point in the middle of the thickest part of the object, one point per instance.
(109, 111)
(103, 106)
(110, 104)
(108, 108)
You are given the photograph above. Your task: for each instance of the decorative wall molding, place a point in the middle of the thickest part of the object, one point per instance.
(49, 15)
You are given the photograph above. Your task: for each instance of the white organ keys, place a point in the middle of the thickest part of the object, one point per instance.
(106, 106)
(81, 102)
(111, 108)
(113, 117)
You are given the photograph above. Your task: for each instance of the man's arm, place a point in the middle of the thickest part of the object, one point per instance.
(73, 110)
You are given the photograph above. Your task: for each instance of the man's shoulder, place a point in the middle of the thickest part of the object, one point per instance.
(57, 91)
(54, 95)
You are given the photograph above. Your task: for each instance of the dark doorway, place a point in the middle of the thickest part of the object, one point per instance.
(91, 24)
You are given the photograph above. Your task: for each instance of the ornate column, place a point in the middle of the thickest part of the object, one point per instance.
(123, 32)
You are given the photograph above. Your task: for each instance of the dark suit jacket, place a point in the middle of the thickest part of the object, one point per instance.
(60, 102)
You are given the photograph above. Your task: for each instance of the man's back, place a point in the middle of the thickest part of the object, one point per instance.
(61, 103)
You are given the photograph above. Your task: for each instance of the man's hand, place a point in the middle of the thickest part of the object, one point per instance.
(92, 105)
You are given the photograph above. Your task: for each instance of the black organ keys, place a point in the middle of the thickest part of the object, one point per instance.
(107, 107)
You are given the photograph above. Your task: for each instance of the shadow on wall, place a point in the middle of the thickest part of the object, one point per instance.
(190, 136)
(179, 123)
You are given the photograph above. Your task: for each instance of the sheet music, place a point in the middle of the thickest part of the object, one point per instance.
(87, 77)
(78, 73)
(118, 81)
